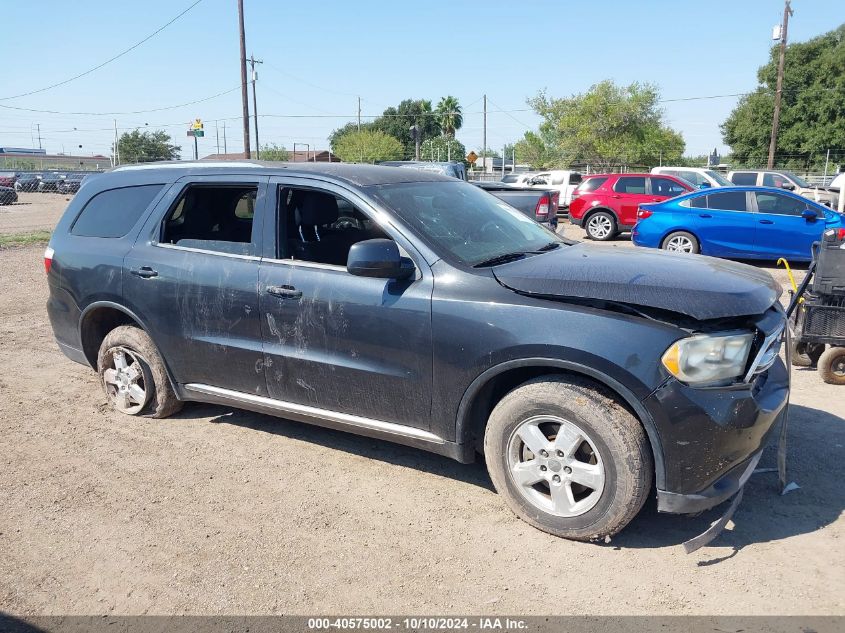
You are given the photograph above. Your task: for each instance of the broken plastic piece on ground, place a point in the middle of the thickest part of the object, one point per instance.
(715, 528)
(760, 471)
(789, 488)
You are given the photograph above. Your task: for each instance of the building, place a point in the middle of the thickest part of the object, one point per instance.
(14, 158)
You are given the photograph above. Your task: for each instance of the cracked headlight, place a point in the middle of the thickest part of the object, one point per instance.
(706, 358)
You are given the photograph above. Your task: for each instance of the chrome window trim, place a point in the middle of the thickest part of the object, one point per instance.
(316, 412)
(190, 249)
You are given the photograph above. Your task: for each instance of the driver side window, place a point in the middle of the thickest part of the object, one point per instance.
(319, 226)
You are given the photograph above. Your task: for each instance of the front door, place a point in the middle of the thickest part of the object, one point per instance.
(781, 229)
(724, 223)
(192, 278)
(334, 341)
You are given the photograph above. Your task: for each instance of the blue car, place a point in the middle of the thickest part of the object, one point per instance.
(738, 222)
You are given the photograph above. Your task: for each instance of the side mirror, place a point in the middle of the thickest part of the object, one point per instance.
(704, 185)
(810, 215)
(378, 258)
(788, 186)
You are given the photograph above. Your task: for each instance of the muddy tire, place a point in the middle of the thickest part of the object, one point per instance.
(568, 458)
(832, 366)
(806, 354)
(133, 374)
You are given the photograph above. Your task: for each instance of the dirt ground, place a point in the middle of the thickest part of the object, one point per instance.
(224, 511)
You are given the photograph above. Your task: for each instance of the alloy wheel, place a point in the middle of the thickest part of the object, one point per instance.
(599, 226)
(680, 244)
(126, 379)
(555, 466)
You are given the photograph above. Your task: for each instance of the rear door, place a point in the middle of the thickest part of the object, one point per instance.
(629, 192)
(192, 278)
(781, 229)
(724, 222)
(664, 188)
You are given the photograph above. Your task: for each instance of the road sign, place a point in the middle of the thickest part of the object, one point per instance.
(472, 157)
(197, 124)
(196, 133)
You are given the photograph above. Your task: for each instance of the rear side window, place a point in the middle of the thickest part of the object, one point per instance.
(591, 184)
(630, 184)
(575, 179)
(744, 178)
(213, 218)
(727, 201)
(114, 212)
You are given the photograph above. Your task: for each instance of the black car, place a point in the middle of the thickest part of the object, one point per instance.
(70, 183)
(50, 181)
(8, 195)
(27, 181)
(412, 307)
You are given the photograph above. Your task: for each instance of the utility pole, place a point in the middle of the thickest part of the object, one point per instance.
(225, 146)
(253, 62)
(484, 150)
(38, 125)
(244, 92)
(359, 114)
(787, 11)
(217, 134)
(116, 146)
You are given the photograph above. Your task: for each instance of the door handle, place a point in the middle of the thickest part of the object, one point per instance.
(704, 215)
(615, 196)
(285, 292)
(766, 222)
(144, 272)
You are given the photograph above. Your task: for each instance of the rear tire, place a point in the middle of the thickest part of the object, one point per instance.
(601, 226)
(681, 242)
(832, 366)
(597, 469)
(133, 374)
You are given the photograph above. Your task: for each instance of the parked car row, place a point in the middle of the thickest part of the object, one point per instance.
(47, 181)
(696, 210)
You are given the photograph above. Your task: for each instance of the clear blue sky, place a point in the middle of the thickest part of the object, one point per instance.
(321, 55)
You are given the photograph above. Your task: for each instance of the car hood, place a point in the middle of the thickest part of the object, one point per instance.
(697, 286)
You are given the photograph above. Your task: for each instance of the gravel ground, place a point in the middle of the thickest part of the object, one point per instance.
(224, 511)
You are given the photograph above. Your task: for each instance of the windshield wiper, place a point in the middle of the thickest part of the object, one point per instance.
(500, 259)
(548, 247)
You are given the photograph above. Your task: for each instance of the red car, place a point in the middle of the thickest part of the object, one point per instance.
(7, 178)
(606, 204)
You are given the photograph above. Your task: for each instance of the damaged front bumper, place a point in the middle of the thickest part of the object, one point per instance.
(713, 438)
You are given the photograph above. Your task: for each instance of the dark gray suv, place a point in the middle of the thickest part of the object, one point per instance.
(412, 307)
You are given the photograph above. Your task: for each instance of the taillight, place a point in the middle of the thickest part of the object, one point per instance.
(542, 210)
(642, 214)
(48, 259)
(841, 235)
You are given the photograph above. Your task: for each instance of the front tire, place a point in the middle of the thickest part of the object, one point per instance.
(567, 458)
(832, 366)
(133, 374)
(601, 226)
(806, 354)
(681, 242)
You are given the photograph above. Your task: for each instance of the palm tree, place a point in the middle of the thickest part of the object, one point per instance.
(449, 115)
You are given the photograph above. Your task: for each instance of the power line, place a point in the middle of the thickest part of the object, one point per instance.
(108, 61)
(173, 107)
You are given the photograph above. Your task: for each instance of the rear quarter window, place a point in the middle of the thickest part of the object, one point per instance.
(744, 178)
(112, 213)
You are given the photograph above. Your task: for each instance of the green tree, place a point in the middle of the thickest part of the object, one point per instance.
(443, 148)
(367, 146)
(533, 150)
(397, 123)
(449, 115)
(142, 147)
(607, 126)
(271, 151)
(812, 118)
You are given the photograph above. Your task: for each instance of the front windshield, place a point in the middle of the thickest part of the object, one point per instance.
(797, 180)
(461, 222)
(715, 175)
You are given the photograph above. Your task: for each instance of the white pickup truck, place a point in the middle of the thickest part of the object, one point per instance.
(562, 180)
